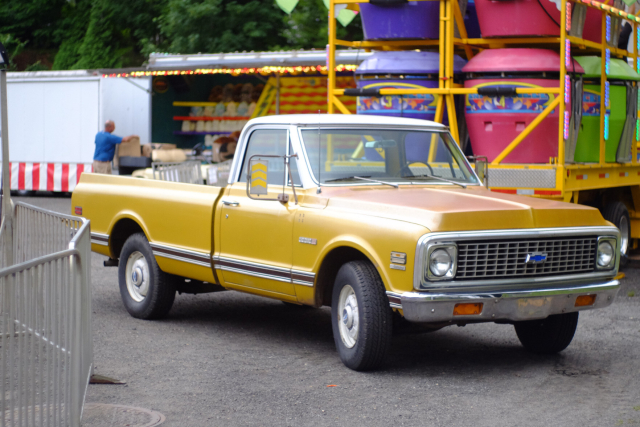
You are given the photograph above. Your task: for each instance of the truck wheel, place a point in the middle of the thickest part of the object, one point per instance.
(617, 213)
(548, 336)
(147, 291)
(361, 316)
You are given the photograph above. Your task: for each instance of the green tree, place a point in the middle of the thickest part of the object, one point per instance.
(101, 47)
(107, 34)
(13, 46)
(32, 21)
(74, 34)
(307, 26)
(191, 26)
(70, 33)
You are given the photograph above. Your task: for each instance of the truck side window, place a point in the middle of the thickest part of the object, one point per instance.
(267, 142)
(271, 142)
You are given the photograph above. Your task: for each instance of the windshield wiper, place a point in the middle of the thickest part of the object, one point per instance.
(426, 175)
(346, 178)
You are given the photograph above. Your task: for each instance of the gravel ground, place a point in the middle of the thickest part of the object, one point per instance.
(239, 360)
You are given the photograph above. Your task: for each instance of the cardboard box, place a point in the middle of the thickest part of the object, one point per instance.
(146, 150)
(168, 155)
(163, 146)
(130, 148)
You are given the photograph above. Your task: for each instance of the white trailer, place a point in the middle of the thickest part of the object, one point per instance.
(54, 117)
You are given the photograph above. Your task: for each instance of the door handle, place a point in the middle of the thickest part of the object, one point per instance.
(230, 203)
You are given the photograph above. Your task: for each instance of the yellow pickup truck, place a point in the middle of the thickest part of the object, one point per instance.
(379, 218)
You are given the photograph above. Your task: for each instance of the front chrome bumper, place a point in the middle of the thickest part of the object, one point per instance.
(513, 305)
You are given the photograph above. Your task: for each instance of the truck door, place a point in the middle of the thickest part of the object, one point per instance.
(256, 235)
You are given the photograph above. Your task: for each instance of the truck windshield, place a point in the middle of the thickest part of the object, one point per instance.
(392, 155)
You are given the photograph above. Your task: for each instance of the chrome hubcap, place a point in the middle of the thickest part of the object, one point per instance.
(348, 318)
(137, 276)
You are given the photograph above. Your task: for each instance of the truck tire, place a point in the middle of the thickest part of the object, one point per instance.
(361, 316)
(548, 336)
(616, 212)
(147, 292)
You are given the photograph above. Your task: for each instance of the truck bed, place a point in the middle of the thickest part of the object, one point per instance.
(176, 218)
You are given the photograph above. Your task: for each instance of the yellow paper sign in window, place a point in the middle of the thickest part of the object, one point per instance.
(259, 170)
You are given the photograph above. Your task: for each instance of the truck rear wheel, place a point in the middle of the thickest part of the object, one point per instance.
(548, 336)
(147, 292)
(617, 213)
(360, 316)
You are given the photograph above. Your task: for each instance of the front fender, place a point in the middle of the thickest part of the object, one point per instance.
(376, 238)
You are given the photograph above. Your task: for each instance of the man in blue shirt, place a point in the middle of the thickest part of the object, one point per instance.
(106, 147)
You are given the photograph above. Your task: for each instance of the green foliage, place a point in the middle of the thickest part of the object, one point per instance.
(13, 46)
(70, 33)
(32, 21)
(36, 66)
(100, 42)
(117, 32)
(122, 33)
(191, 26)
(307, 26)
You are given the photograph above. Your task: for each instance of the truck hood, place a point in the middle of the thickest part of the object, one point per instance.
(458, 209)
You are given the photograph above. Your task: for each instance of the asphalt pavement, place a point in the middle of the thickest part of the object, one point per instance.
(231, 359)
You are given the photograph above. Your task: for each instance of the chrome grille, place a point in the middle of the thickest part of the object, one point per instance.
(506, 258)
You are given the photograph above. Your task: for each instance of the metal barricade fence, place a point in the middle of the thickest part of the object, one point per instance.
(186, 172)
(3, 244)
(38, 232)
(45, 322)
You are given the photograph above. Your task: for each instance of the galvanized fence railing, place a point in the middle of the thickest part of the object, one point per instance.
(186, 172)
(39, 232)
(3, 244)
(45, 322)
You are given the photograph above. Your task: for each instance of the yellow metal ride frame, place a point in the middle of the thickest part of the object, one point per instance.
(587, 180)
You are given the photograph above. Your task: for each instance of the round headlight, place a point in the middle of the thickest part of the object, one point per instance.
(605, 253)
(440, 262)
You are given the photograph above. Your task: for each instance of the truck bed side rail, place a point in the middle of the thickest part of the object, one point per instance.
(185, 172)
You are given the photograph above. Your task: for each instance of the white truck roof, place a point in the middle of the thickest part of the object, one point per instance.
(342, 119)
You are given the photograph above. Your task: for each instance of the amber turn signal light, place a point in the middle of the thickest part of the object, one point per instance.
(585, 300)
(467, 309)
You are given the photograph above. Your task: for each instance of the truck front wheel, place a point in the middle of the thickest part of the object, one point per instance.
(548, 336)
(361, 316)
(147, 292)
(618, 214)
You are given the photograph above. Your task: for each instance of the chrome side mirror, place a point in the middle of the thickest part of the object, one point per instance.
(481, 167)
(257, 178)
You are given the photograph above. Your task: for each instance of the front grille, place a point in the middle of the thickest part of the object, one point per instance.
(506, 258)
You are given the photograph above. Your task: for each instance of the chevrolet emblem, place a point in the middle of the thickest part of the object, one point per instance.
(536, 258)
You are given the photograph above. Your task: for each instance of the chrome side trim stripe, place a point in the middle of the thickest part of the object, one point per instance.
(192, 257)
(253, 266)
(304, 278)
(300, 282)
(253, 273)
(100, 239)
(265, 271)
